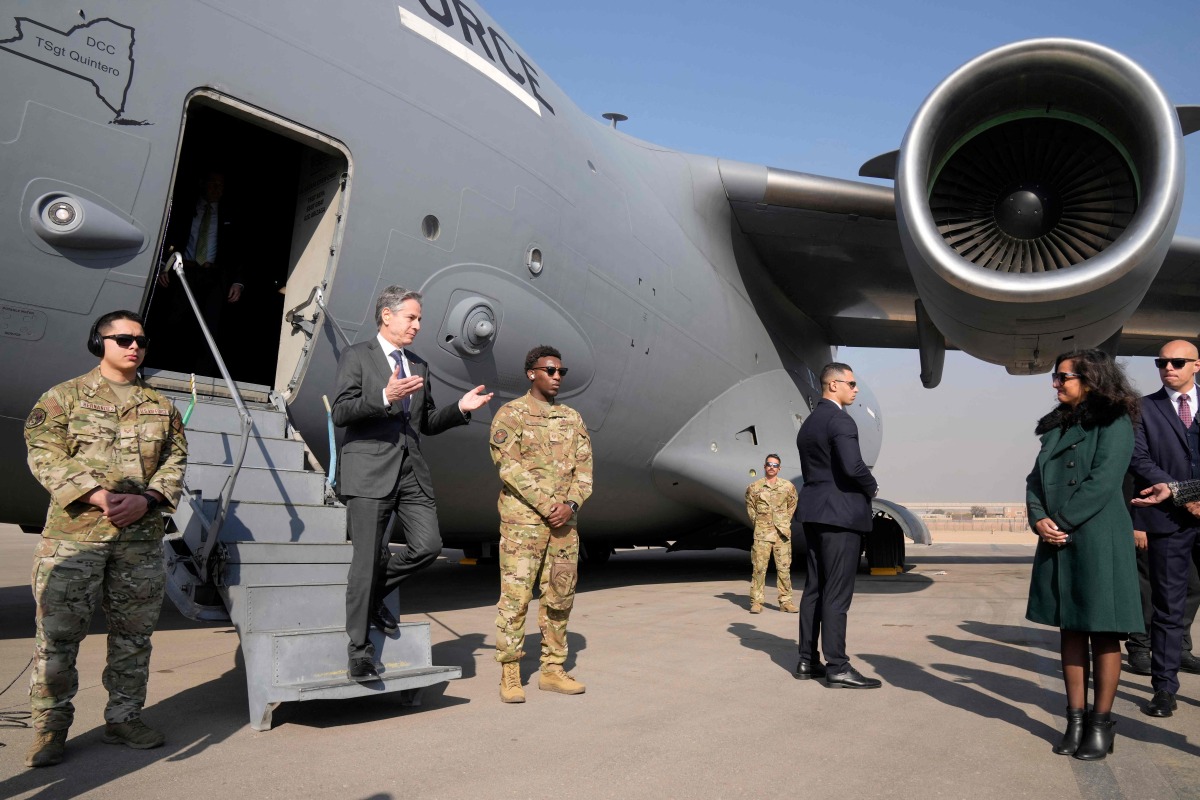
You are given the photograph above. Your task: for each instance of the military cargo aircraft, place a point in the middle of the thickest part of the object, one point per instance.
(1036, 195)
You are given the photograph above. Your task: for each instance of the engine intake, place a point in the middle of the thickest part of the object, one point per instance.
(1037, 192)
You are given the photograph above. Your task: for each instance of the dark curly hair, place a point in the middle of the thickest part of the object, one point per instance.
(541, 351)
(1108, 397)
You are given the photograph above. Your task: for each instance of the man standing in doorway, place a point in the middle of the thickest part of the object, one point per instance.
(770, 504)
(544, 454)
(1166, 448)
(835, 508)
(384, 403)
(205, 235)
(111, 451)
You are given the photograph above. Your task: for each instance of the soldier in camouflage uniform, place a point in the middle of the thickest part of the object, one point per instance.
(111, 452)
(545, 458)
(770, 504)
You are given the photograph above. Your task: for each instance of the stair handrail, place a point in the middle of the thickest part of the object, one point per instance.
(213, 529)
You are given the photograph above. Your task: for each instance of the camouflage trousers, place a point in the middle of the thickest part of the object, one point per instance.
(68, 578)
(760, 557)
(531, 553)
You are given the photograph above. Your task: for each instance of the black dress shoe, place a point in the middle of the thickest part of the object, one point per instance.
(1139, 662)
(382, 619)
(1161, 705)
(851, 679)
(807, 670)
(1189, 663)
(362, 670)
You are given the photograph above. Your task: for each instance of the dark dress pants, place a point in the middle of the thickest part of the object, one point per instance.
(833, 556)
(374, 570)
(1140, 642)
(1171, 556)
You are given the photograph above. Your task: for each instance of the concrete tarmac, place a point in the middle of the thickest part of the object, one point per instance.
(689, 696)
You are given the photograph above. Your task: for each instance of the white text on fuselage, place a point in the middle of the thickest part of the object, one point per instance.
(469, 23)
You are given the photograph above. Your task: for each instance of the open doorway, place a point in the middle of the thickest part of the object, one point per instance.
(255, 209)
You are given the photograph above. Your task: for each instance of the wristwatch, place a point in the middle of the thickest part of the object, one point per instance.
(574, 506)
(152, 502)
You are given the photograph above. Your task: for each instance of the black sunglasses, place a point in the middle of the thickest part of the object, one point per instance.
(851, 384)
(772, 465)
(551, 371)
(1177, 363)
(1062, 377)
(123, 340)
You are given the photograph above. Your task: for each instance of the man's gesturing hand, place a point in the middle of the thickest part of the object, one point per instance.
(399, 387)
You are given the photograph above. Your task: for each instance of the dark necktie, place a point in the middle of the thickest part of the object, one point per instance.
(1185, 412)
(399, 359)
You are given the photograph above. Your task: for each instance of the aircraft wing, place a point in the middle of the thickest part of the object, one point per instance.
(833, 247)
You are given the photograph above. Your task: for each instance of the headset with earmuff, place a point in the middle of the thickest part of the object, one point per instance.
(95, 344)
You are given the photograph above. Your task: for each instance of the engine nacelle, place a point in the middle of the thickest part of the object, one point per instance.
(1037, 192)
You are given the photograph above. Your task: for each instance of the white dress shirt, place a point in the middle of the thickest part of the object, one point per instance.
(388, 349)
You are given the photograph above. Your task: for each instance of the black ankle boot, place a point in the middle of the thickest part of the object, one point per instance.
(1098, 737)
(1071, 739)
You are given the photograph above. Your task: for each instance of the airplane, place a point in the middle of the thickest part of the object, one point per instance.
(1035, 200)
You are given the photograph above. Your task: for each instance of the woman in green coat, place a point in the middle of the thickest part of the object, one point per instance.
(1084, 574)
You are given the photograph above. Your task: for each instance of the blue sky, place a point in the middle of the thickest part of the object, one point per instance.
(821, 88)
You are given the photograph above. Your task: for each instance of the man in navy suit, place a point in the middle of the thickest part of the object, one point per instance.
(835, 508)
(1166, 448)
(383, 402)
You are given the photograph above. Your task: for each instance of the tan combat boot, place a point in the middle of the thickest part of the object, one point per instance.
(788, 607)
(47, 749)
(134, 733)
(510, 683)
(554, 679)
(756, 608)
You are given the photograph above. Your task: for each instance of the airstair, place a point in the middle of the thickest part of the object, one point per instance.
(277, 568)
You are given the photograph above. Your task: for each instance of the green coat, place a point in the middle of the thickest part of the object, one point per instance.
(1090, 584)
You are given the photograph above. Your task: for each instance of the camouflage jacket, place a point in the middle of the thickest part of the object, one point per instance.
(770, 508)
(80, 437)
(545, 457)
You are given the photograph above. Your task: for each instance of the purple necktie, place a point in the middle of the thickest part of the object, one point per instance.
(403, 374)
(1185, 413)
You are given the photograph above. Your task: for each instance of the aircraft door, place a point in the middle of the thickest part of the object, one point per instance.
(320, 201)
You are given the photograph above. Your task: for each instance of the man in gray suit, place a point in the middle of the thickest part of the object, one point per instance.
(384, 403)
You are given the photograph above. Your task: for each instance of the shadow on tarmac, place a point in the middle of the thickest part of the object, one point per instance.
(189, 717)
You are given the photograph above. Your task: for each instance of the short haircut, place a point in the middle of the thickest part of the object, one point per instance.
(391, 298)
(105, 322)
(540, 352)
(833, 370)
(774, 456)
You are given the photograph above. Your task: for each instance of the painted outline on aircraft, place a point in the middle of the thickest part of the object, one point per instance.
(86, 58)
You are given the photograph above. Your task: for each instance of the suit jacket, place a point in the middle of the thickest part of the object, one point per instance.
(230, 249)
(838, 486)
(1160, 455)
(377, 438)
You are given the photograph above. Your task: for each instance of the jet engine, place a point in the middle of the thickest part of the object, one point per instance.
(1037, 192)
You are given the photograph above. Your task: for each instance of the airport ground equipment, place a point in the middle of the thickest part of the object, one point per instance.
(278, 571)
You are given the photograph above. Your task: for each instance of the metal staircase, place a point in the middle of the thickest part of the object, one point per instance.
(278, 567)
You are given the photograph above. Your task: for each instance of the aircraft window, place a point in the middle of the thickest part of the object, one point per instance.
(533, 260)
(431, 228)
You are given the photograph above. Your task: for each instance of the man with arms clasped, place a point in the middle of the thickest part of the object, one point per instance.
(383, 402)
(835, 508)
(544, 455)
(1166, 448)
(770, 504)
(111, 452)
